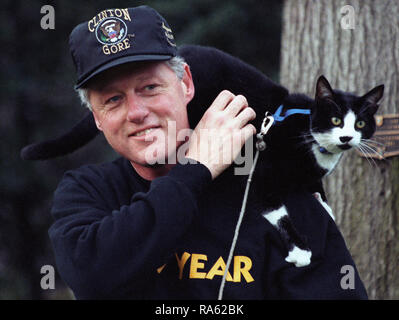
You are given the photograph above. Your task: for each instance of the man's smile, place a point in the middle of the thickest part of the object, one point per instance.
(143, 132)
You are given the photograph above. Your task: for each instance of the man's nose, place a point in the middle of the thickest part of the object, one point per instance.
(137, 111)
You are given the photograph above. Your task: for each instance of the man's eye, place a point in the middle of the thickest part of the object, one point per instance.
(150, 87)
(113, 99)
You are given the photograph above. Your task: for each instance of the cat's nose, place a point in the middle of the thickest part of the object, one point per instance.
(345, 139)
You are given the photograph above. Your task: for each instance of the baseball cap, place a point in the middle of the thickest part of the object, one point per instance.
(117, 36)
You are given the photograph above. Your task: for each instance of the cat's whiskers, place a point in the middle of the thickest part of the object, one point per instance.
(306, 138)
(323, 141)
(326, 144)
(360, 148)
(306, 134)
(369, 147)
(365, 149)
(373, 142)
(365, 154)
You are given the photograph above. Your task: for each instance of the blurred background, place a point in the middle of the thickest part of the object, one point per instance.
(38, 102)
(291, 41)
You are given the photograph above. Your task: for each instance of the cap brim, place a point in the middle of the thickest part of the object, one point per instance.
(122, 60)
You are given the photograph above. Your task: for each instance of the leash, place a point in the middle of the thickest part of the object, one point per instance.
(260, 146)
(268, 121)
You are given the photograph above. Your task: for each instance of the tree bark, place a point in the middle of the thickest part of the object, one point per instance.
(364, 195)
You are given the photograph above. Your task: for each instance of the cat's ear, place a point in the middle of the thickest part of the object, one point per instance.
(323, 89)
(374, 95)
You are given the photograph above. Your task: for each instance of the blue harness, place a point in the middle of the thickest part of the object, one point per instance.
(279, 118)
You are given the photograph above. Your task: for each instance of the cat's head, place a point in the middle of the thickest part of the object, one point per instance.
(341, 120)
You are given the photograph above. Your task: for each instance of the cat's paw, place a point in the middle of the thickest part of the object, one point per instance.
(324, 204)
(299, 257)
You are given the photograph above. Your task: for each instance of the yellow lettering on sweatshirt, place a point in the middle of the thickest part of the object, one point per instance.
(198, 268)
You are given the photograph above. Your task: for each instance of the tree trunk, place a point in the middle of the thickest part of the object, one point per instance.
(364, 195)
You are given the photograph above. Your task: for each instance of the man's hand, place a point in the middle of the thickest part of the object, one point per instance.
(222, 132)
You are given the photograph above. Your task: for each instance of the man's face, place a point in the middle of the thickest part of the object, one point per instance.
(135, 104)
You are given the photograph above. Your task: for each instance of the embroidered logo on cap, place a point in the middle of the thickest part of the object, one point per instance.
(111, 31)
(116, 36)
(169, 35)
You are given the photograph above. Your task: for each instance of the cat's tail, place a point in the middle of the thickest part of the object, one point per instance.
(83, 132)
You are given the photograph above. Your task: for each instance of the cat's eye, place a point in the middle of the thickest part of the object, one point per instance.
(360, 124)
(336, 121)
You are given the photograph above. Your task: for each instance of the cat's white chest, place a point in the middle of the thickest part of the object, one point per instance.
(327, 161)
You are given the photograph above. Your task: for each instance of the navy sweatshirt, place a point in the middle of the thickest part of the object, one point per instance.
(118, 236)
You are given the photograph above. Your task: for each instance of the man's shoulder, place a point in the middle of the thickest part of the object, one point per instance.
(111, 183)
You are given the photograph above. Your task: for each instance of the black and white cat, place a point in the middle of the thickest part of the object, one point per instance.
(301, 150)
(304, 148)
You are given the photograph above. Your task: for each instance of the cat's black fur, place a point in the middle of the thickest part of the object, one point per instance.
(289, 143)
(288, 164)
(212, 70)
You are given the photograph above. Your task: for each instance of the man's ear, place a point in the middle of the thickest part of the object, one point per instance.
(188, 83)
(93, 112)
(98, 123)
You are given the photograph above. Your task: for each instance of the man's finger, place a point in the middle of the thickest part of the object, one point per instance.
(222, 100)
(247, 132)
(245, 116)
(236, 105)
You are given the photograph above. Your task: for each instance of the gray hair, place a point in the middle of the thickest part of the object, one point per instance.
(176, 64)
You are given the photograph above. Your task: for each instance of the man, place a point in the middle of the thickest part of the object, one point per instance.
(158, 222)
